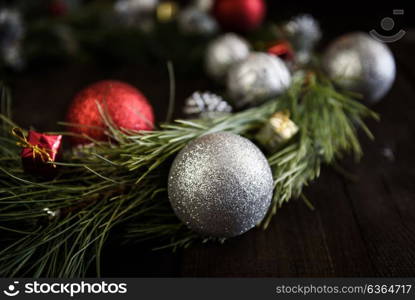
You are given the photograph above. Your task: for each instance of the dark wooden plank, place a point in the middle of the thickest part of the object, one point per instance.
(299, 242)
(384, 198)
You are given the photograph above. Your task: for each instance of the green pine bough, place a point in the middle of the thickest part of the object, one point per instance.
(58, 228)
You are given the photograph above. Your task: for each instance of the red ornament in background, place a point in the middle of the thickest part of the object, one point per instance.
(239, 15)
(58, 8)
(39, 152)
(125, 106)
(282, 49)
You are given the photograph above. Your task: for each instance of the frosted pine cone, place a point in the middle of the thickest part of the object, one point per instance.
(206, 105)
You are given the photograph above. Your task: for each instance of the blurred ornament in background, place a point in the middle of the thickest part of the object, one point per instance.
(304, 33)
(203, 5)
(282, 49)
(278, 130)
(62, 7)
(206, 105)
(125, 107)
(192, 20)
(257, 78)
(239, 15)
(167, 11)
(361, 64)
(223, 52)
(136, 13)
(220, 185)
(11, 36)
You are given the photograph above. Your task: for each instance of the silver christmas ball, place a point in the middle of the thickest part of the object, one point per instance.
(206, 105)
(220, 185)
(361, 64)
(195, 21)
(223, 52)
(256, 78)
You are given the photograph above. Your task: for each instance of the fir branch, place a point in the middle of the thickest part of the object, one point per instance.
(124, 184)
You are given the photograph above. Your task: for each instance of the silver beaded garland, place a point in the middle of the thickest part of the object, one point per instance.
(223, 52)
(256, 78)
(361, 64)
(220, 185)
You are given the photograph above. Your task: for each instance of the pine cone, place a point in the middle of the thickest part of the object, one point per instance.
(206, 105)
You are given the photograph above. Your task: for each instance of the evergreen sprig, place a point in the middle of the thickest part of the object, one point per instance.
(58, 228)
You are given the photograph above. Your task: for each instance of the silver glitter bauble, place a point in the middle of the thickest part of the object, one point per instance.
(258, 77)
(206, 105)
(223, 52)
(361, 64)
(303, 31)
(220, 185)
(194, 21)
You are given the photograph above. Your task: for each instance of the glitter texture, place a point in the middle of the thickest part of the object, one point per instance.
(220, 185)
(126, 106)
(360, 64)
(257, 78)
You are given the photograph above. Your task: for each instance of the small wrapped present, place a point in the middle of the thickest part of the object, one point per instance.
(278, 130)
(39, 151)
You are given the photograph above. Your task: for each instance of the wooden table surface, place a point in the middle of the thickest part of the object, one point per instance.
(360, 227)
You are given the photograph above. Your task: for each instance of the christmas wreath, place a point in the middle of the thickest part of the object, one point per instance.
(211, 176)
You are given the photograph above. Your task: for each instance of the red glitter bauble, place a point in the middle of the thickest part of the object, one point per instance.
(125, 106)
(239, 15)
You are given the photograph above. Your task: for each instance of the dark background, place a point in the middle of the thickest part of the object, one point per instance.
(360, 227)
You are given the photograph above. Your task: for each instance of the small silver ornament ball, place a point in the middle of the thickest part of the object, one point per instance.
(359, 63)
(220, 185)
(258, 77)
(223, 52)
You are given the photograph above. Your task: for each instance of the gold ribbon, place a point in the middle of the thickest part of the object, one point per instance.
(36, 149)
(282, 124)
